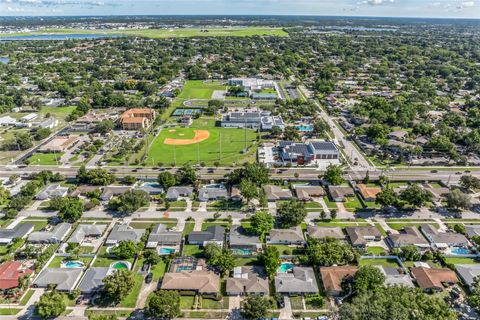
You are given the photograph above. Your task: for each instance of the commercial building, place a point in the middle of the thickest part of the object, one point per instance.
(137, 118)
(300, 153)
(59, 144)
(254, 120)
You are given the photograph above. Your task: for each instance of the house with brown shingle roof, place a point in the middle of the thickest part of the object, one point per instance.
(332, 278)
(360, 235)
(307, 193)
(368, 193)
(274, 193)
(317, 232)
(200, 281)
(248, 280)
(339, 193)
(433, 279)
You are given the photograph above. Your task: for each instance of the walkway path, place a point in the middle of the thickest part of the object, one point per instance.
(386, 227)
(286, 312)
(145, 292)
(15, 222)
(322, 204)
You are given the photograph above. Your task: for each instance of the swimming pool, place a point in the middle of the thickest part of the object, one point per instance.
(120, 265)
(460, 251)
(285, 267)
(184, 268)
(305, 128)
(242, 252)
(72, 264)
(166, 251)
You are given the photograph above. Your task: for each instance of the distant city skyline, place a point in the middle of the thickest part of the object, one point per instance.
(373, 8)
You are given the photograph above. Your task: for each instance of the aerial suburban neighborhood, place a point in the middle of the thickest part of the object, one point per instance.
(240, 168)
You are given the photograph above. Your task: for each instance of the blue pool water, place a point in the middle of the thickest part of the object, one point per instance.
(242, 252)
(285, 267)
(184, 268)
(167, 250)
(305, 128)
(460, 251)
(73, 264)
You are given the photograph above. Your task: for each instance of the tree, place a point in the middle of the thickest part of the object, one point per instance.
(368, 278)
(291, 213)
(460, 228)
(42, 133)
(386, 197)
(398, 302)
(291, 134)
(409, 253)
(329, 252)
(130, 201)
(271, 259)
(334, 175)
(221, 258)
(470, 182)
(151, 257)
(164, 304)
(4, 195)
(51, 304)
(457, 200)
(69, 208)
(254, 172)
(254, 307)
(118, 284)
(249, 189)
(212, 250)
(125, 249)
(261, 223)
(415, 195)
(166, 180)
(97, 177)
(186, 175)
(104, 126)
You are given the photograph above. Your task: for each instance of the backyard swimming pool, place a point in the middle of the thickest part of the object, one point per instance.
(285, 267)
(166, 251)
(119, 265)
(242, 252)
(305, 128)
(72, 264)
(460, 251)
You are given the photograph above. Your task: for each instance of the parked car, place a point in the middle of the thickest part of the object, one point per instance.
(149, 278)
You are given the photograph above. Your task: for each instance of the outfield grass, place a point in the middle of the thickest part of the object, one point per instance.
(170, 33)
(207, 151)
(46, 159)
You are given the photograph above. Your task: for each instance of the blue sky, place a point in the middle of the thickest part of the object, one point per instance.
(387, 8)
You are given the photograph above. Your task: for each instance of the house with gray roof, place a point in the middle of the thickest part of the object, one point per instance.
(248, 280)
(161, 237)
(443, 240)
(64, 279)
(395, 277)
(20, 231)
(174, 193)
(339, 193)
(213, 234)
(212, 193)
(151, 188)
(300, 281)
(360, 235)
(84, 231)
(291, 236)
(408, 236)
(468, 273)
(113, 191)
(52, 191)
(472, 230)
(241, 242)
(55, 235)
(317, 232)
(92, 281)
(123, 232)
(274, 193)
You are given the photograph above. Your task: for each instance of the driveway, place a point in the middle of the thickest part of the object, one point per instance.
(286, 312)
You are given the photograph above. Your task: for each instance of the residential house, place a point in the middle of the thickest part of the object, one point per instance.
(174, 193)
(339, 193)
(308, 193)
(213, 234)
(20, 231)
(443, 240)
(151, 188)
(437, 192)
(468, 273)
(55, 235)
(316, 232)
(52, 191)
(368, 194)
(84, 231)
(236, 194)
(332, 278)
(212, 192)
(399, 135)
(11, 272)
(83, 190)
(433, 279)
(472, 230)
(275, 193)
(163, 240)
(200, 281)
(292, 236)
(408, 236)
(248, 280)
(123, 232)
(300, 281)
(92, 281)
(113, 191)
(64, 279)
(360, 235)
(395, 277)
(243, 243)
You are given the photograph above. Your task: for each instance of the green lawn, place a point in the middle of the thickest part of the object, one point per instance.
(26, 297)
(207, 151)
(38, 224)
(401, 225)
(188, 228)
(213, 304)
(158, 270)
(131, 299)
(46, 159)
(461, 260)
(286, 250)
(206, 225)
(376, 250)
(383, 262)
(58, 112)
(57, 261)
(199, 89)
(9, 311)
(330, 204)
(192, 250)
(186, 302)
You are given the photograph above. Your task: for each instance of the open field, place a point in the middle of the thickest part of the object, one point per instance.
(46, 159)
(199, 89)
(170, 33)
(207, 151)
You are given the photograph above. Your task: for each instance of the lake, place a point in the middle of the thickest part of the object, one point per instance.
(67, 36)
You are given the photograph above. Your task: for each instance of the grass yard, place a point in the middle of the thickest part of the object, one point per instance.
(192, 250)
(213, 304)
(37, 224)
(461, 260)
(199, 89)
(9, 311)
(297, 303)
(158, 270)
(286, 250)
(207, 151)
(392, 263)
(188, 228)
(57, 261)
(131, 299)
(186, 302)
(377, 251)
(26, 297)
(206, 225)
(58, 112)
(45, 159)
(401, 225)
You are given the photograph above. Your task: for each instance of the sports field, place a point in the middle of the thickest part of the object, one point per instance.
(187, 150)
(170, 33)
(200, 89)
